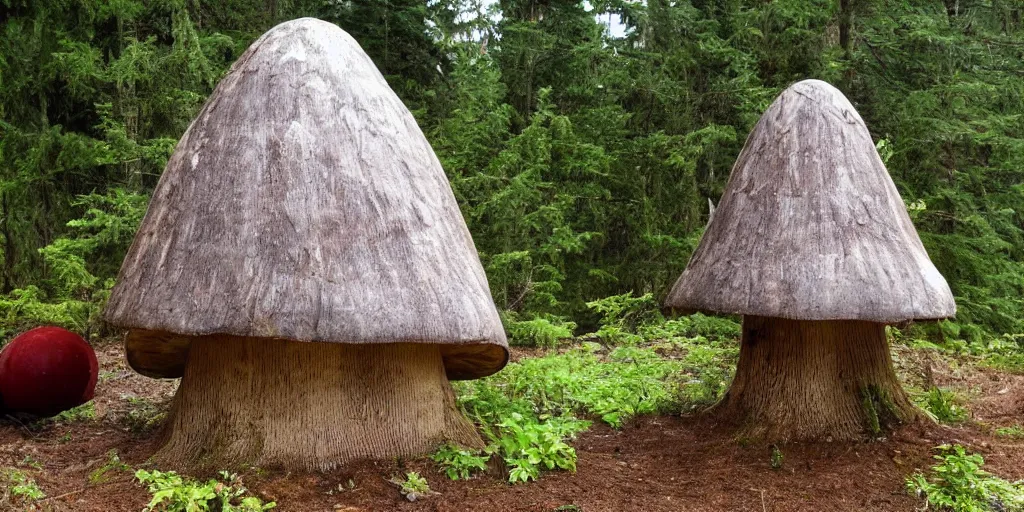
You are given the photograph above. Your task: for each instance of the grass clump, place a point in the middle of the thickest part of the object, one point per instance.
(113, 465)
(143, 415)
(173, 493)
(80, 414)
(958, 484)
(1011, 432)
(944, 406)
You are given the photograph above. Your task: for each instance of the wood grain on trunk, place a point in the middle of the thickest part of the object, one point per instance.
(815, 380)
(310, 405)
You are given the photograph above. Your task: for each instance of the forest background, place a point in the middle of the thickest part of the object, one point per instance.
(583, 140)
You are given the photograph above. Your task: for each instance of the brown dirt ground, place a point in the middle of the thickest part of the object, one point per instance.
(654, 464)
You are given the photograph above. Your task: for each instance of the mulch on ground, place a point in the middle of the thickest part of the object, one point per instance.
(661, 463)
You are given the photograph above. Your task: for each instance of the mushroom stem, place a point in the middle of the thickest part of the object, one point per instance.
(815, 380)
(310, 406)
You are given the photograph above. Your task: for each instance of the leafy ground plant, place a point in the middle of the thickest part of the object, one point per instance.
(18, 488)
(958, 484)
(459, 463)
(528, 445)
(413, 486)
(173, 493)
(540, 331)
(112, 466)
(531, 410)
(943, 405)
(626, 382)
(1011, 432)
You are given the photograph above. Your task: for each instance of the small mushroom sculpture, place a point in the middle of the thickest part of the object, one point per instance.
(305, 268)
(813, 245)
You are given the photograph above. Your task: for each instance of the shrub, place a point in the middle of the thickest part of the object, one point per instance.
(173, 493)
(623, 315)
(527, 444)
(459, 463)
(537, 332)
(958, 484)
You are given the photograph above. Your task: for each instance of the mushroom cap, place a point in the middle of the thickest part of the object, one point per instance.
(811, 226)
(304, 203)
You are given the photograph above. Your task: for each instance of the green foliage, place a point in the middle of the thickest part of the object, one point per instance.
(143, 415)
(537, 332)
(28, 307)
(626, 382)
(459, 463)
(530, 410)
(19, 487)
(943, 405)
(173, 493)
(583, 159)
(1011, 432)
(82, 413)
(713, 329)
(413, 486)
(525, 440)
(113, 465)
(93, 100)
(73, 295)
(958, 484)
(622, 315)
(528, 445)
(775, 460)
(1005, 352)
(627, 311)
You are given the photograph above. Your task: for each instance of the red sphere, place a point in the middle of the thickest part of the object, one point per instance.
(47, 370)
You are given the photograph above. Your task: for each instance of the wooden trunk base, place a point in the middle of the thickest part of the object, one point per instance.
(815, 380)
(309, 405)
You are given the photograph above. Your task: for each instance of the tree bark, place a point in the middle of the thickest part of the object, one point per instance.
(845, 24)
(815, 380)
(310, 406)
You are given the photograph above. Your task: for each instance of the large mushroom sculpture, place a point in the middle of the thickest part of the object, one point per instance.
(813, 245)
(305, 268)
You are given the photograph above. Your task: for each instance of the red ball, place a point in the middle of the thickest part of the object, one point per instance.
(46, 371)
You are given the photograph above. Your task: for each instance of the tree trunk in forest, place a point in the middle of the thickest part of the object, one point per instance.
(845, 24)
(9, 248)
(310, 406)
(815, 380)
